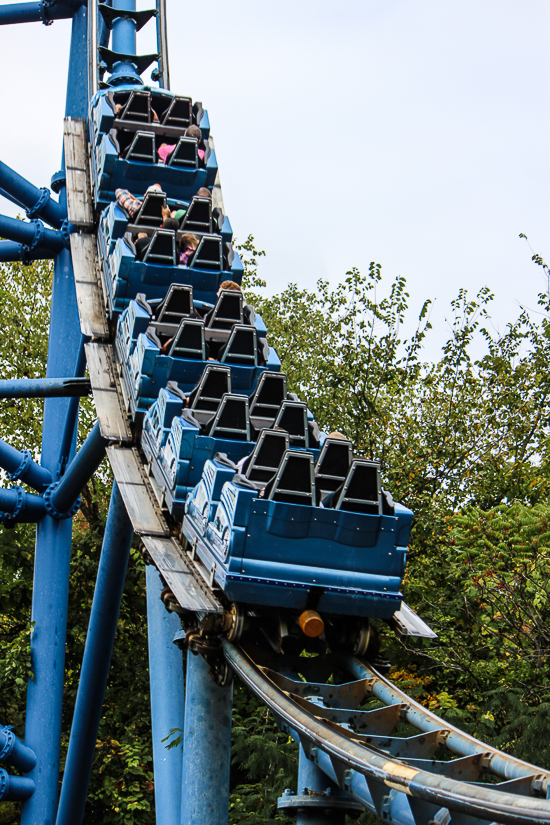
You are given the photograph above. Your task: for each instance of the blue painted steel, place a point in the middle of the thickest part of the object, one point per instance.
(14, 752)
(44, 387)
(53, 538)
(206, 747)
(79, 471)
(38, 202)
(312, 780)
(20, 465)
(95, 664)
(15, 788)
(36, 12)
(10, 252)
(124, 42)
(71, 421)
(76, 102)
(124, 28)
(394, 806)
(11, 198)
(32, 234)
(167, 701)
(18, 506)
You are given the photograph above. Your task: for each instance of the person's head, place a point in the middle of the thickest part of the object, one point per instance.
(155, 187)
(229, 285)
(337, 435)
(194, 132)
(188, 241)
(170, 223)
(204, 193)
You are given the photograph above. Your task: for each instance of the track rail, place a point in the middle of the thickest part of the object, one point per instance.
(365, 764)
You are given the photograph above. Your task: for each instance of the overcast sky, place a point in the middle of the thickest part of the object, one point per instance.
(409, 132)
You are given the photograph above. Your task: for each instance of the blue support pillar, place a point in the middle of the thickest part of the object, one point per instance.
(124, 29)
(79, 471)
(206, 747)
(167, 701)
(53, 538)
(71, 421)
(35, 12)
(97, 659)
(123, 43)
(312, 781)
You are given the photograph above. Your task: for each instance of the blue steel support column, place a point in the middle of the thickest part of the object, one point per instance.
(97, 659)
(123, 42)
(51, 569)
(124, 29)
(206, 747)
(53, 538)
(311, 778)
(167, 700)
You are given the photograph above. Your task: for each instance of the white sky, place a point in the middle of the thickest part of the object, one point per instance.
(408, 132)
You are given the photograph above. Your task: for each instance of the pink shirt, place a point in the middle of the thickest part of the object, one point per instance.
(165, 151)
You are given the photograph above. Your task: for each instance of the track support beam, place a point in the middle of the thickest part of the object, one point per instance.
(44, 387)
(167, 701)
(206, 747)
(96, 662)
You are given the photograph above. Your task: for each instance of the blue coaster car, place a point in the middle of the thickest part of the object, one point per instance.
(130, 125)
(217, 421)
(323, 527)
(168, 313)
(125, 276)
(230, 333)
(199, 218)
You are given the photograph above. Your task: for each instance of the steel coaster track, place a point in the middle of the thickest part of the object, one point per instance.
(396, 778)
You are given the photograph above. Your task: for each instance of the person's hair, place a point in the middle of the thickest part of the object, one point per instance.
(193, 131)
(187, 240)
(230, 285)
(171, 223)
(204, 192)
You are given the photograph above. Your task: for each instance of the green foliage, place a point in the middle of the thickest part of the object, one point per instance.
(25, 299)
(264, 760)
